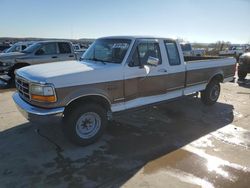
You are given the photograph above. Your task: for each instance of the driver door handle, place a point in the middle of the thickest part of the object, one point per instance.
(162, 70)
(54, 57)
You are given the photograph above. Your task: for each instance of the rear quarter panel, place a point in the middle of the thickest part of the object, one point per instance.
(199, 72)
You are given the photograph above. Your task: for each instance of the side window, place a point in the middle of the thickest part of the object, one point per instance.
(23, 47)
(47, 49)
(144, 51)
(172, 53)
(64, 48)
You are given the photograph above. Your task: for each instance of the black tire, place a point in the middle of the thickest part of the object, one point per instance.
(11, 81)
(242, 75)
(74, 130)
(211, 94)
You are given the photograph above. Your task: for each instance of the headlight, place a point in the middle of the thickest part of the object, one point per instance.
(42, 93)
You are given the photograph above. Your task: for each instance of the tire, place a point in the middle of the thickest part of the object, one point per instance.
(84, 124)
(211, 94)
(12, 76)
(242, 75)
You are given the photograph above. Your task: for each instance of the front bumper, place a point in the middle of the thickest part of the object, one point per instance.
(36, 114)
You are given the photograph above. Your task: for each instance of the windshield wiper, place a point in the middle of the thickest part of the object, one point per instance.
(95, 59)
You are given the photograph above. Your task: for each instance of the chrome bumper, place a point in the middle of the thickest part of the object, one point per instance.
(33, 113)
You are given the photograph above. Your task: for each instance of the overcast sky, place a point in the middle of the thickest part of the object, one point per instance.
(192, 20)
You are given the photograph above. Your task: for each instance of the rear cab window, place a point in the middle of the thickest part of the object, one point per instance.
(172, 52)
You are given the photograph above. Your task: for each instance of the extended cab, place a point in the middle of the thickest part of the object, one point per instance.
(37, 53)
(116, 74)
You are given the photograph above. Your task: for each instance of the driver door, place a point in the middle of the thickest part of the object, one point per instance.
(141, 78)
(48, 52)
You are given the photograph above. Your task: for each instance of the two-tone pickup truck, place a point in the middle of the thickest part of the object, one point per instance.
(116, 74)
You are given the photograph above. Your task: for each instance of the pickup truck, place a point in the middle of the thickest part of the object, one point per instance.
(116, 74)
(235, 51)
(37, 53)
(244, 65)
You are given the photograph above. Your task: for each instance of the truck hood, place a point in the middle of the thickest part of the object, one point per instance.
(11, 55)
(71, 73)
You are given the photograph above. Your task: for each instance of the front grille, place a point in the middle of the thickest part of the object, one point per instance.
(23, 87)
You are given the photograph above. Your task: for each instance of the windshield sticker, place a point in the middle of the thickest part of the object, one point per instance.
(120, 45)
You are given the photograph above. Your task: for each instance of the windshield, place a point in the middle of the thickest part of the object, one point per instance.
(14, 48)
(107, 50)
(186, 47)
(31, 48)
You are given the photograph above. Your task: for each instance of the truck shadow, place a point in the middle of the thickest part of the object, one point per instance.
(39, 155)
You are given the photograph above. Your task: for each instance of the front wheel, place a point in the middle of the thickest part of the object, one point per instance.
(85, 124)
(211, 94)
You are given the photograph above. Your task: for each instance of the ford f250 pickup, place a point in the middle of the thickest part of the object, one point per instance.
(116, 74)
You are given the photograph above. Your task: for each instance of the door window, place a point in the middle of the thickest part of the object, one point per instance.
(172, 53)
(47, 49)
(144, 51)
(64, 48)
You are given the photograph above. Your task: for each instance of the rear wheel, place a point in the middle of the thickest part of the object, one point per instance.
(211, 94)
(242, 75)
(85, 124)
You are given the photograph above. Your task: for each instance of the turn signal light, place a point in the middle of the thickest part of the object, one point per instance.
(43, 98)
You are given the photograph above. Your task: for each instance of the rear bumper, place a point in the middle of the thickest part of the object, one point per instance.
(36, 114)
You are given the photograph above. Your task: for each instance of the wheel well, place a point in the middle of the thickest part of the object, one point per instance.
(88, 99)
(218, 77)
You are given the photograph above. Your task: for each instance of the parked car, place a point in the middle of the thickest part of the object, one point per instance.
(116, 74)
(18, 47)
(37, 53)
(244, 65)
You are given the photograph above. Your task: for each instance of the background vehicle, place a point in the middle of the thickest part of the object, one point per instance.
(116, 74)
(235, 51)
(188, 50)
(244, 65)
(78, 50)
(37, 53)
(18, 47)
(3, 47)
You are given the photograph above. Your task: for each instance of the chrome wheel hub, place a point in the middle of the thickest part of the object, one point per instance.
(215, 92)
(88, 125)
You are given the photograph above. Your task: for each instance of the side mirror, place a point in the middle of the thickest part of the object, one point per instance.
(40, 52)
(153, 61)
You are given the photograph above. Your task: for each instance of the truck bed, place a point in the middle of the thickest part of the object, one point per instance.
(199, 70)
(199, 58)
